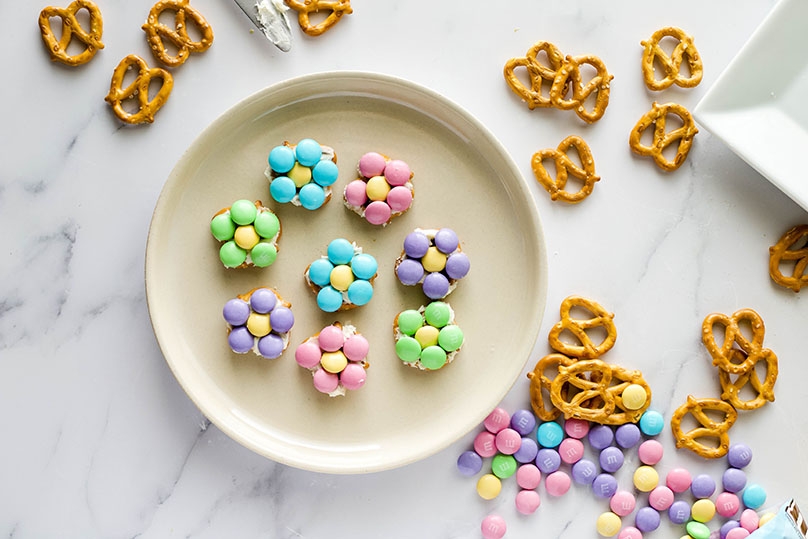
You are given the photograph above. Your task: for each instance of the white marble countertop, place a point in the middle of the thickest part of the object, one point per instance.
(99, 440)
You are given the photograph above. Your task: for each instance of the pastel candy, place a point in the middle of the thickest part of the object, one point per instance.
(557, 483)
(281, 159)
(236, 311)
(331, 338)
(469, 463)
(489, 486)
(356, 348)
(353, 376)
(608, 524)
(622, 503)
(307, 355)
(355, 193)
(324, 381)
(371, 164)
(378, 212)
(399, 199)
(493, 526)
(308, 152)
(527, 501)
(397, 172)
(416, 244)
(270, 346)
(528, 476)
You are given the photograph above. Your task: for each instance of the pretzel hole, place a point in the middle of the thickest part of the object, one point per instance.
(319, 16)
(747, 391)
(168, 17)
(667, 45)
(57, 25)
(155, 84)
(672, 122)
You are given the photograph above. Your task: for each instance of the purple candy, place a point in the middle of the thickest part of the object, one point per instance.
(646, 519)
(528, 451)
(679, 512)
(236, 311)
(601, 436)
(240, 340)
(523, 422)
(416, 244)
(469, 463)
(734, 480)
(446, 240)
(584, 472)
(270, 346)
(604, 485)
(263, 300)
(409, 271)
(739, 455)
(281, 319)
(726, 527)
(702, 486)
(457, 265)
(435, 285)
(611, 459)
(628, 435)
(548, 460)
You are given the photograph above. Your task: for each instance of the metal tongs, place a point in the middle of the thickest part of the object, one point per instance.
(270, 17)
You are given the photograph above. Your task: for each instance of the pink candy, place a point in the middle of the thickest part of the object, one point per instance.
(330, 338)
(527, 501)
(622, 503)
(737, 533)
(571, 450)
(661, 498)
(508, 441)
(576, 428)
(727, 504)
(629, 532)
(497, 420)
(355, 193)
(678, 480)
(493, 527)
(383, 190)
(378, 212)
(485, 444)
(333, 375)
(650, 452)
(750, 520)
(397, 172)
(557, 483)
(371, 164)
(528, 476)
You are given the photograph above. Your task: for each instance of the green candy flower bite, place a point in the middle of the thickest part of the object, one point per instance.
(427, 338)
(250, 233)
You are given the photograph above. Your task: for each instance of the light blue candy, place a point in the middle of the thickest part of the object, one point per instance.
(282, 189)
(308, 152)
(340, 251)
(360, 292)
(320, 272)
(651, 423)
(325, 173)
(281, 159)
(754, 496)
(311, 196)
(549, 434)
(329, 299)
(364, 266)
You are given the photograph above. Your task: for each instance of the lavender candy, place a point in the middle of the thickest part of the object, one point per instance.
(281, 319)
(702, 486)
(523, 422)
(627, 435)
(469, 463)
(236, 311)
(733, 480)
(611, 459)
(270, 346)
(527, 451)
(457, 265)
(601, 436)
(584, 472)
(409, 272)
(435, 285)
(726, 527)
(548, 460)
(647, 519)
(679, 512)
(263, 300)
(240, 340)
(416, 244)
(446, 240)
(739, 455)
(604, 485)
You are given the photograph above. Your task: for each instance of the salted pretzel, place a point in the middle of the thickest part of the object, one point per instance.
(304, 8)
(586, 349)
(157, 32)
(71, 28)
(792, 246)
(565, 167)
(763, 390)
(736, 354)
(684, 51)
(138, 88)
(621, 379)
(568, 79)
(540, 384)
(708, 427)
(579, 404)
(538, 73)
(657, 117)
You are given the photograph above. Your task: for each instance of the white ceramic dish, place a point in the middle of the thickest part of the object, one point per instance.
(464, 180)
(758, 104)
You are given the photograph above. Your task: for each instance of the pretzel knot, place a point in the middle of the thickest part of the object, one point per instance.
(564, 168)
(763, 390)
(72, 28)
(736, 354)
(591, 389)
(538, 73)
(540, 385)
(569, 78)
(578, 328)
(657, 117)
(138, 88)
(157, 32)
(671, 65)
(792, 246)
(304, 8)
(708, 427)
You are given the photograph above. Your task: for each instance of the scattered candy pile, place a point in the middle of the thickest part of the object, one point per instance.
(250, 233)
(336, 357)
(382, 191)
(427, 338)
(302, 174)
(523, 446)
(260, 321)
(343, 278)
(433, 259)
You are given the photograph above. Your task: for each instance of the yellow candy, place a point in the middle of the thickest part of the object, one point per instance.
(377, 188)
(646, 478)
(634, 397)
(258, 324)
(765, 517)
(300, 175)
(341, 277)
(433, 260)
(246, 237)
(608, 524)
(489, 486)
(703, 510)
(427, 336)
(333, 362)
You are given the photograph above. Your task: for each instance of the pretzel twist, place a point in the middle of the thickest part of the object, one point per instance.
(578, 328)
(564, 168)
(569, 76)
(763, 390)
(657, 117)
(138, 88)
(305, 8)
(157, 32)
(590, 390)
(735, 345)
(538, 73)
(71, 28)
(792, 246)
(708, 427)
(685, 50)
(540, 385)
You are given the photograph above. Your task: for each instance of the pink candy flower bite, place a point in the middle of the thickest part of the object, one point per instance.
(337, 359)
(383, 190)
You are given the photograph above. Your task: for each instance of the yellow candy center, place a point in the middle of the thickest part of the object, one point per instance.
(246, 237)
(427, 336)
(377, 188)
(258, 324)
(341, 277)
(333, 362)
(300, 175)
(433, 260)
(634, 397)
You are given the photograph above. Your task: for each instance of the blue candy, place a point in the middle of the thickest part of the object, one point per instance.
(311, 196)
(754, 496)
(308, 152)
(651, 423)
(364, 266)
(282, 189)
(360, 292)
(549, 434)
(281, 159)
(320, 272)
(325, 173)
(340, 251)
(329, 299)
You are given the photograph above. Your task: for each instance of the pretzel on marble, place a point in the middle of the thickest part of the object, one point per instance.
(792, 246)
(138, 88)
(592, 401)
(763, 390)
(72, 28)
(305, 8)
(578, 327)
(736, 354)
(568, 79)
(657, 117)
(685, 50)
(538, 73)
(157, 32)
(540, 384)
(708, 427)
(564, 168)
(621, 379)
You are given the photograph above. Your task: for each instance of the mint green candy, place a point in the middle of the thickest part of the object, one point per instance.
(263, 254)
(222, 227)
(267, 224)
(450, 337)
(437, 314)
(408, 349)
(503, 466)
(433, 357)
(697, 530)
(232, 255)
(243, 212)
(410, 321)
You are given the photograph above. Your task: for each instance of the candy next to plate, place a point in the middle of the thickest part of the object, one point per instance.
(433, 259)
(259, 320)
(343, 278)
(302, 174)
(249, 232)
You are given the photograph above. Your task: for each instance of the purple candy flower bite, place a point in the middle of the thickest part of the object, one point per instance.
(433, 259)
(259, 321)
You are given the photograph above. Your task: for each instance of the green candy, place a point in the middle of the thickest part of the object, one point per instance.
(408, 349)
(267, 224)
(410, 321)
(697, 530)
(263, 254)
(450, 338)
(503, 466)
(433, 357)
(222, 227)
(232, 255)
(243, 212)
(437, 314)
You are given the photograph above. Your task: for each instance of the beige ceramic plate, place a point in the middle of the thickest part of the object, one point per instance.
(463, 179)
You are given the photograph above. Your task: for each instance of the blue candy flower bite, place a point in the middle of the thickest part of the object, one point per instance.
(343, 277)
(302, 174)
